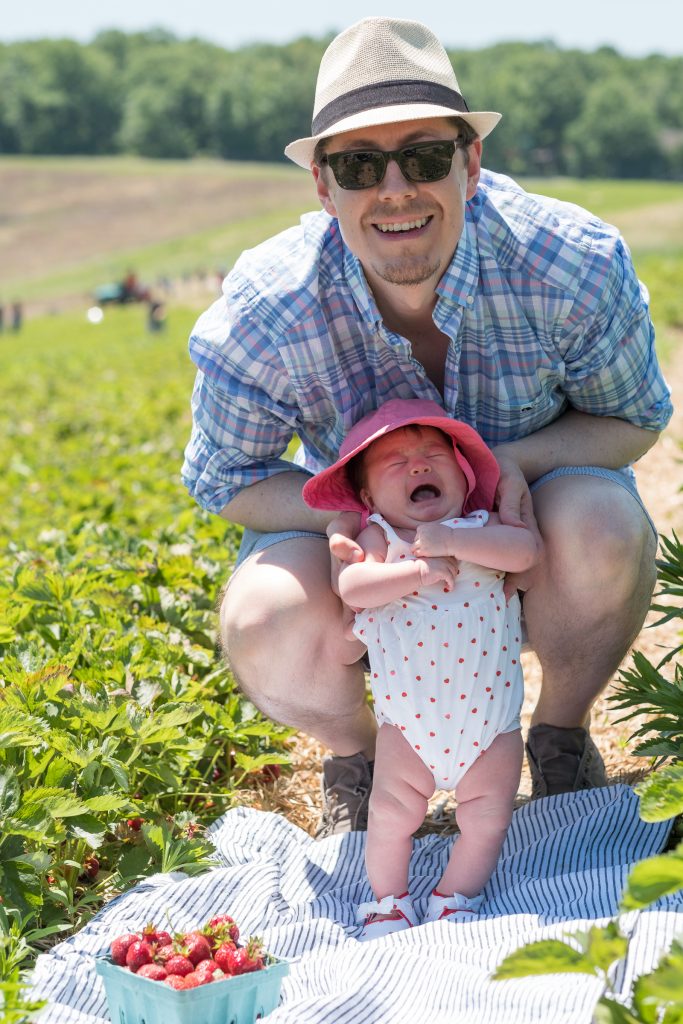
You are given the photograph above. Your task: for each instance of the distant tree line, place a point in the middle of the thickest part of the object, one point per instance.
(565, 111)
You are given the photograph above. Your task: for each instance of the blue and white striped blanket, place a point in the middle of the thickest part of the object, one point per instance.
(562, 869)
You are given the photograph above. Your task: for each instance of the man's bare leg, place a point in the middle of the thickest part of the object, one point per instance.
(588, 597)
(282, 631)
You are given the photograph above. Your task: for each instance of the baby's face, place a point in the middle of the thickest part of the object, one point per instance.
(412, 476)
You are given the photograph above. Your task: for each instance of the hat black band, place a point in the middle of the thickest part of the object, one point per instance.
(386, 94)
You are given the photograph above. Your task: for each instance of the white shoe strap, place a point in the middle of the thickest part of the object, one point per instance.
(386, 905)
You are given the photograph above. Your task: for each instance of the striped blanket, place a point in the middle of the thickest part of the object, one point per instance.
(562, 869)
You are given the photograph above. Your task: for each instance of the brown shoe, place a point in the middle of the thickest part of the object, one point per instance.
(563, 761)
(346, 785)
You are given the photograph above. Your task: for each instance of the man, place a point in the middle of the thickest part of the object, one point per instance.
(424, 276)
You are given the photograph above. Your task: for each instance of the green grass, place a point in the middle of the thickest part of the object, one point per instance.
(607, 197)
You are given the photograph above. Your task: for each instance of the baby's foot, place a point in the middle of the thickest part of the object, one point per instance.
(385, 916)
(455, 908)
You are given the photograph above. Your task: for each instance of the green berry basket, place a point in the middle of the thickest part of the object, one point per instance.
(243, 999)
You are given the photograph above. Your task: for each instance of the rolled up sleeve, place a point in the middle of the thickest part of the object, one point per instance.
(243, 413)
(608, 346)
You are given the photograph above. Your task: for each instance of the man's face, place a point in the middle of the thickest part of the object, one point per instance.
(430, 216)
(412, 476)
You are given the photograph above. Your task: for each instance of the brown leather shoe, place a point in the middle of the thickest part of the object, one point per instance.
(346, 785)
(562, 761)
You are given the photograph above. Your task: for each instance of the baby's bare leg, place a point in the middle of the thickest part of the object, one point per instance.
(398, 803)
(485, 797)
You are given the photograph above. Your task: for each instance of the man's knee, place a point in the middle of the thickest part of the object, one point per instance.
(596, 538)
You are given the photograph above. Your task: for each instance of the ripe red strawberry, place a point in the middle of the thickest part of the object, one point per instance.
(164, 953)
(135, 823)
(196, 947)
(178, 964)
(220, 929)
(152, 934)
(175, 981)
(207, 968)
(139, 953)
(194, 980)
(154, 971)
(224, 957)
(120, 946)
(250, 957)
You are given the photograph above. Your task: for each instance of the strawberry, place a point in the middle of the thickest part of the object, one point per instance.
(152, 934)
(91, 866)
(250, 957)
(196, 947)
(178, 964)
(194, 980)
(221, 929)
(139, 953)
(135, 824)
(225, 957)
(175, 981)
(164, 953)
(120, 946)
(153, 971)
(207, 968)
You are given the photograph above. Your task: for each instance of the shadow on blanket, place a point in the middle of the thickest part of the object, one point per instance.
(562, 868)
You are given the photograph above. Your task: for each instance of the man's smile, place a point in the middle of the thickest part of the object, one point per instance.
(403, 227)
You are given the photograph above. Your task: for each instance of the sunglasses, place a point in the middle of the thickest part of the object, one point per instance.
(365, 168)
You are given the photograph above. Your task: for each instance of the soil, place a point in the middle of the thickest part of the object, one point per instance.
(296, 794)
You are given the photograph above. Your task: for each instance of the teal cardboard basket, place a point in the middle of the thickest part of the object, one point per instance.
(243, 999)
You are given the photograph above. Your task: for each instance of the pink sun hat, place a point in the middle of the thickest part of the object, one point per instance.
(331, 488)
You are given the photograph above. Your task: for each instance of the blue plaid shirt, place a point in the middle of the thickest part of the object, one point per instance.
(541, 304)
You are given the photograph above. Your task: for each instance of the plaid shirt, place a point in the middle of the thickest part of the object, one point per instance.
(540, 302)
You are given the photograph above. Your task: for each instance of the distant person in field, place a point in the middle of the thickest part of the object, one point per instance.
(426, 276)
(443, 644)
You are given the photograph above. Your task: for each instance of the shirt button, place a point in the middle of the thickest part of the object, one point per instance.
(470, 300)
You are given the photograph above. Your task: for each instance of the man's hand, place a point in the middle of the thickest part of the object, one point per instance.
(513, 497)
(515, 508)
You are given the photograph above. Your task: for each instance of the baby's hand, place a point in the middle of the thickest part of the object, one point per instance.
(431, 539)
(435, 570)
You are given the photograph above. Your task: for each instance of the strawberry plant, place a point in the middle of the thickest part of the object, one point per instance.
(122, 733)
(658, 995)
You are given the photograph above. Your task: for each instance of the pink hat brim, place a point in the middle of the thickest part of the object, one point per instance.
(331, 489)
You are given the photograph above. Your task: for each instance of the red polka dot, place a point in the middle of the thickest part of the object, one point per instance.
(462, 764)
(375, 675)
(474, 711)
(447, 679)
(488, 689)
(473, 640)
(417, 746)
(419, 678)
(415, 593)
(434, 607)
(476, 743)
(463, 696)
(514, 661)
(433, 700)
(393, 672)
(388, 697)
(408, 623)
(498, 672)
(460, 661)
(447, 750)
(445, 643)
(403, 728)
(404, 694)
(504, 647)
(447, 716)
(460, 625)
(432, 734)
(508, 683)
(477, 583)
(432, 663)
(370, 619)
(466, 604)
(420, 643)
(484, 653)
(402, 556)
(418, 715)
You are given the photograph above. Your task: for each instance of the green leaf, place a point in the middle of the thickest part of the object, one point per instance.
(107, 802)
(10, 793)
(665, 983)
(547, 957)
(606, 945)
(21, 888)
(653, 878)
(661, 794)
(608, 1011)
(89, 828)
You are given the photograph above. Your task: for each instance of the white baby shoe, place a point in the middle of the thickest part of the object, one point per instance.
(453, 908)
(401, 909)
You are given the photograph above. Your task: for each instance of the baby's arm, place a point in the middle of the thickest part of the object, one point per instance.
(374, 581)
(497, 546)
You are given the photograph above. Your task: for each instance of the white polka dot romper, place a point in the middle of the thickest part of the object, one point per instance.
(445, 666)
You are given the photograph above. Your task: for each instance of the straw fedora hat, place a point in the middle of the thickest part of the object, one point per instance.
(380, 71)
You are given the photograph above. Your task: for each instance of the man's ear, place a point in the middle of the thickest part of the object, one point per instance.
(473, 168)
(320, 178)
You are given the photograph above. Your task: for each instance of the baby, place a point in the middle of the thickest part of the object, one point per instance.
(443, 645)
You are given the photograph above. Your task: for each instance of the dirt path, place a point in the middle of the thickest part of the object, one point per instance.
(660, 478)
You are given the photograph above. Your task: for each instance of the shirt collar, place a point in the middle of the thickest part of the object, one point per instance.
(353, 272)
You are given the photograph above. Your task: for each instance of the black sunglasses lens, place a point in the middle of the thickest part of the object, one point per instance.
(358, 170)
(426, 163)
(430, 161)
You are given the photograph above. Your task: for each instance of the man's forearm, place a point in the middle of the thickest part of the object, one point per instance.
(578, 439)
(276, 504)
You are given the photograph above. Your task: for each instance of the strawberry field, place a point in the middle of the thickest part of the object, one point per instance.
(121, 733)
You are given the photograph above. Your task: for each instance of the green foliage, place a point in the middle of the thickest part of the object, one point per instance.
(565, 111)
(656, 997)
(121, 731)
